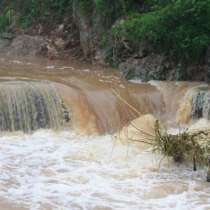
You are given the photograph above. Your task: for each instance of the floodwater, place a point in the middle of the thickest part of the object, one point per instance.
(83, 166)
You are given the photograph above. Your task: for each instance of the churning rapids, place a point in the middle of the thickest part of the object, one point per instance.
(59, 148)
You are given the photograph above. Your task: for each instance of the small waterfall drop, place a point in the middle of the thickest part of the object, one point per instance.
(68, 170)
(194, 105)
(201, 104)
(31, 105)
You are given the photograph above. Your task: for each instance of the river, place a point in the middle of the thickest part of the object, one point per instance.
(82, 165)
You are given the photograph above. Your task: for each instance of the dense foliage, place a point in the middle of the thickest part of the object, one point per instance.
(6, 19)
(49, 10)
(187, 146)
(178, 28)
(33, 11)
(41, 11)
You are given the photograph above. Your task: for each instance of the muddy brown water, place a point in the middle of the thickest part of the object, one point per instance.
(92, 93)
(97, 95)
(81, 166)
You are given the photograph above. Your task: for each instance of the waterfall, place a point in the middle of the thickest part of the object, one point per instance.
(31, 105)
(201, 104)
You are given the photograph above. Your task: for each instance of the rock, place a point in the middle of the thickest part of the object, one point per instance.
(208, 176)
(180, 73)
(24, 45)
(144, 50)
(6, 35)
(184, 72)
(60, 43)
(100, 57)
(208, 64)
(151, 67)
(146, 66)
(52, 53)
(208, 173)
(60, 30)
(4, 43)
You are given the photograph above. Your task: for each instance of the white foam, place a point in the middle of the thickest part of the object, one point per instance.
(16, 62)
(66, 67)
(50, 67)
(65, 171)
(136, 81)
(86, 70)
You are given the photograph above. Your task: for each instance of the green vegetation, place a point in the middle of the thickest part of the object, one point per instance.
(6, 19)
(32, 11)
(112, 10)
(186, 146)
(39, 11)
(179, 28)
(48, 11)
(86, 6)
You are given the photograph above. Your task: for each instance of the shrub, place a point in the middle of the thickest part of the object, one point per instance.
(187, 146)
(180, 28)
(39, 11)
(6, 19)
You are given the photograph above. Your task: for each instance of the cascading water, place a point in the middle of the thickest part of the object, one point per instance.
(195, 104)
(201, 104)
(30, 105)
(47, 170)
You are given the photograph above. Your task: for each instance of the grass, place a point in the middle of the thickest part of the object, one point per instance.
(187, 146)
(193, 147)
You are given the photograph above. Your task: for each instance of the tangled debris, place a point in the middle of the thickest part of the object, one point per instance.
(185, 146)
(190, 146)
